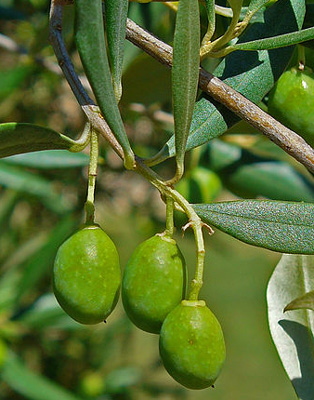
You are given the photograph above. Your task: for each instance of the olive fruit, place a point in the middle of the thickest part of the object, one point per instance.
(291, 101)
(87, 276)
(192, 345)
(154, 282)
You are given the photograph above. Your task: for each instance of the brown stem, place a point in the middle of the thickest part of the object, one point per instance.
(285, 138)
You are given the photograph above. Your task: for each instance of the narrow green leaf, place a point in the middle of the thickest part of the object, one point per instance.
(116, 12)
(292, 331)
(90, 42)
(185, 70)
(252, 74)
(49, 159)
(305, 301)
(286, 227)
(26, 182)
(17, 138)
(210, 9)
(275, 42)
(30, 385)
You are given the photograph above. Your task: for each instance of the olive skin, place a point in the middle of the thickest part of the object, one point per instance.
(87, 276)
(192, 345)
(291, 101)
(154, 282)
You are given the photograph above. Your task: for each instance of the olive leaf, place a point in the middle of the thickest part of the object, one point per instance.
(185, 71)
(286, 227)
(292, 331)
(17, 138)
(305, 301)
(90, 42)
(275, 42)
(253, 75)
(210, 9)
(116, 12)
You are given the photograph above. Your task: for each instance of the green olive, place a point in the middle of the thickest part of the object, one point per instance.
(86, 275)
(154, 282)
(291, 101)
(192, 345)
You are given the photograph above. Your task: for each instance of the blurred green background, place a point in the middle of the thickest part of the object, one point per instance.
(43, 353)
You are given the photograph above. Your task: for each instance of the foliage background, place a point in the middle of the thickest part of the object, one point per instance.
(40, 207)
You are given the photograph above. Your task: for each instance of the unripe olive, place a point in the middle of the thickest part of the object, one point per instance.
(192, 345)
(87, 276)
(291, 101)
(154, 282)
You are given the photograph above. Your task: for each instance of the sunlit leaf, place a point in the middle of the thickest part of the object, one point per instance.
(17, 138)
(116, 16)
(292, 331)
(91, 45)
(184, 73)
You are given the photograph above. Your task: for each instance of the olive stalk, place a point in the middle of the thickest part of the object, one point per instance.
(92, 174)
(288, 140)
(169, 216)
(99, 124)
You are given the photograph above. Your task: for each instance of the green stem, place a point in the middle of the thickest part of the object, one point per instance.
(194, 221)
(92, 174)
(206, 49)
(169, 216)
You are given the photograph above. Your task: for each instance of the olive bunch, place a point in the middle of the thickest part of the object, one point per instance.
(86, 274)
(86, 282)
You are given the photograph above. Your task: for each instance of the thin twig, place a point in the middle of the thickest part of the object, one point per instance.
(285, 138)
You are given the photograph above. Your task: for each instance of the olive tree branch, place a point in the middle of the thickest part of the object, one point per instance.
(98, 123)
(285, 138)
